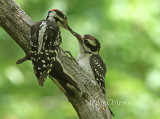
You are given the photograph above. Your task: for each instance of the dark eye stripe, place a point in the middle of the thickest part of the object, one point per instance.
(57, 19)
(91, 47)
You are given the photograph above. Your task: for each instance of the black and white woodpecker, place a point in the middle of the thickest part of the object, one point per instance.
(45, 42)
(89, 47)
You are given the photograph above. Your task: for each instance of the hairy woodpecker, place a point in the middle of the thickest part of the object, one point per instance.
(45, 42)
(90, 60)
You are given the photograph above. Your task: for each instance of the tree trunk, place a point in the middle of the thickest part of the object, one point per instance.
(89, 102)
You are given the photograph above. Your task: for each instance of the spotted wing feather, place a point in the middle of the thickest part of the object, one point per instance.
(99, 70)
(44, 47)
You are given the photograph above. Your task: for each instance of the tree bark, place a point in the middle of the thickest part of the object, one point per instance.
(89, 102)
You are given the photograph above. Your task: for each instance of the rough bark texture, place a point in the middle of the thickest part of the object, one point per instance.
(89, 102)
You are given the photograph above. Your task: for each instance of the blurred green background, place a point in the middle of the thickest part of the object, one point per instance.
(129, 32)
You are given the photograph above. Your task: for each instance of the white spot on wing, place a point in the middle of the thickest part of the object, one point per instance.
(51, 65)
(44, 65)
(43, 61)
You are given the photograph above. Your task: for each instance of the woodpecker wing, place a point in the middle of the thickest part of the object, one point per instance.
(99, 70)
(62, 78)
(45, 41)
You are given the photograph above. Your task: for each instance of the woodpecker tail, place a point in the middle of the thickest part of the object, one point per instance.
(64, 78)
(44, 75)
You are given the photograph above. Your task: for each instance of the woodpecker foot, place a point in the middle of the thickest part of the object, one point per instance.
(70, 56)
(20, 61)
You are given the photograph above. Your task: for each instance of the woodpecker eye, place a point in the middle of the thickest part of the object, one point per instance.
(58, 20)
(86, 43)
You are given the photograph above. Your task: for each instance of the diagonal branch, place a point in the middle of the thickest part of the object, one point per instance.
(89, 103)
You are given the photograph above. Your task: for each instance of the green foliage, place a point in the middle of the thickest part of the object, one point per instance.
(129, 34)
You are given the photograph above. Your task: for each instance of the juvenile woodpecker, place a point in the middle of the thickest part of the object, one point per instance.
(45, 42)
(89, 59)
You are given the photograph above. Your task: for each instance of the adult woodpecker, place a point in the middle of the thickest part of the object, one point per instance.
(45, 43)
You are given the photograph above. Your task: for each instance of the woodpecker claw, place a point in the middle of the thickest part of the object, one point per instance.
(70, 56)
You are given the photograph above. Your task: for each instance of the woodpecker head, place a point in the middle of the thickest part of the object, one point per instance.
(58, 16)
(90, 44)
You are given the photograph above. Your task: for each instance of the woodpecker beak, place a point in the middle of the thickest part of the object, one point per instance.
(67, 26)
(78, 36)
(82, 38)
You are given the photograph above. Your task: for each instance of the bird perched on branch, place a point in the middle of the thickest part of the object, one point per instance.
(45, 43)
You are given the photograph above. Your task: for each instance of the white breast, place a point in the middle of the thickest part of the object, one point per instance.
(84, 62)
